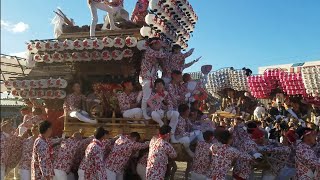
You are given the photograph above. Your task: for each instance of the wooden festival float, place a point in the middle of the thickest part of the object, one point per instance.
(100, 64)
(229, 85)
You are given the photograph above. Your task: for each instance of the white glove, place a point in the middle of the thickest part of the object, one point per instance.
(257, 156)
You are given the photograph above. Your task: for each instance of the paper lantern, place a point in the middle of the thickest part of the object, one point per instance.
(119, 42)
(87, 44)
(127, 53)
(75, 56)
(32, 47)
(47, 58)
(97, 44)
(68, 44)
(106, 55)
(37, 58)
(49, 46)
(57, 57)
(59, 94)
(131, 41)
(67, 57)
(40, 46)
(78, 45)
(85, 55)
(96, 55)
(116, 55)
(108, 42)
(43, 83)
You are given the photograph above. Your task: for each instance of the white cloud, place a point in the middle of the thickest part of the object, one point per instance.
(14, 28)
(20, 54)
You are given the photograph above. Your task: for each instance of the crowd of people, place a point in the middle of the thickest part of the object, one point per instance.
(276, 137)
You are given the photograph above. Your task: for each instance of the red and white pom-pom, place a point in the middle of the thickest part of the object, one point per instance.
(127, 53)
(58, 46)
(142, 45)
(9, 84)
(49, 46)
(116, 55)
(37, 58)
(87, 44)
(85, 56)
(68, 44)
(106, 55)
(31, 46)
(96, 55)
(67, 57)
(40, 93)
(131, 41)
(78, 45)
(32, 93)
(49, 94)
(75, 56)
(59, 94)
(47, 58)
(40, 46)
(119, 42)
(57, 57)
(17, 84)
(15, 93)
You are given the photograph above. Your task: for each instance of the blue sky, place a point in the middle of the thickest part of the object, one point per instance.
(234, 33)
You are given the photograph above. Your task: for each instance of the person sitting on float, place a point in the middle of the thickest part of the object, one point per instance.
(129, 101)
(160, 103)
(110, 7)
(73, 105)
(183, 133)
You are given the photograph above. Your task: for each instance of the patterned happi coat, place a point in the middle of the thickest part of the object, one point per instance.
(4, 149)
(123, 148)
(202, 158)
(280, 153)
(80, 153)
(149, 64)
(177, 94)
(242, 141)
(66, 154)
(159, 152)
(222, 157)
(156, 101)
(178, 61)
(125, 100)
(93, 162)
(140, 11)
(27, 150)
(143, 160)
(41, 163)
(183, 128)
(307, 163)
(14, 151)
(73, 102)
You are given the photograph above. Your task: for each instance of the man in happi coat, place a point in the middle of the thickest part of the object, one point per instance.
(307, 163)
(92, 166)
(148, 72)
(160, 151)
(42, 155)
(129, 101)
(122, 150)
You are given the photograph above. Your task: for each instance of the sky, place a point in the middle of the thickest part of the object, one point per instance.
(229, 33)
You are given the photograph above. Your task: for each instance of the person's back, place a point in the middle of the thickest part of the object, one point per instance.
(159, 152)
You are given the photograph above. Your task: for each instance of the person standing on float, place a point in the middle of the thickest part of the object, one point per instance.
(110, 7)
(148, 72)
